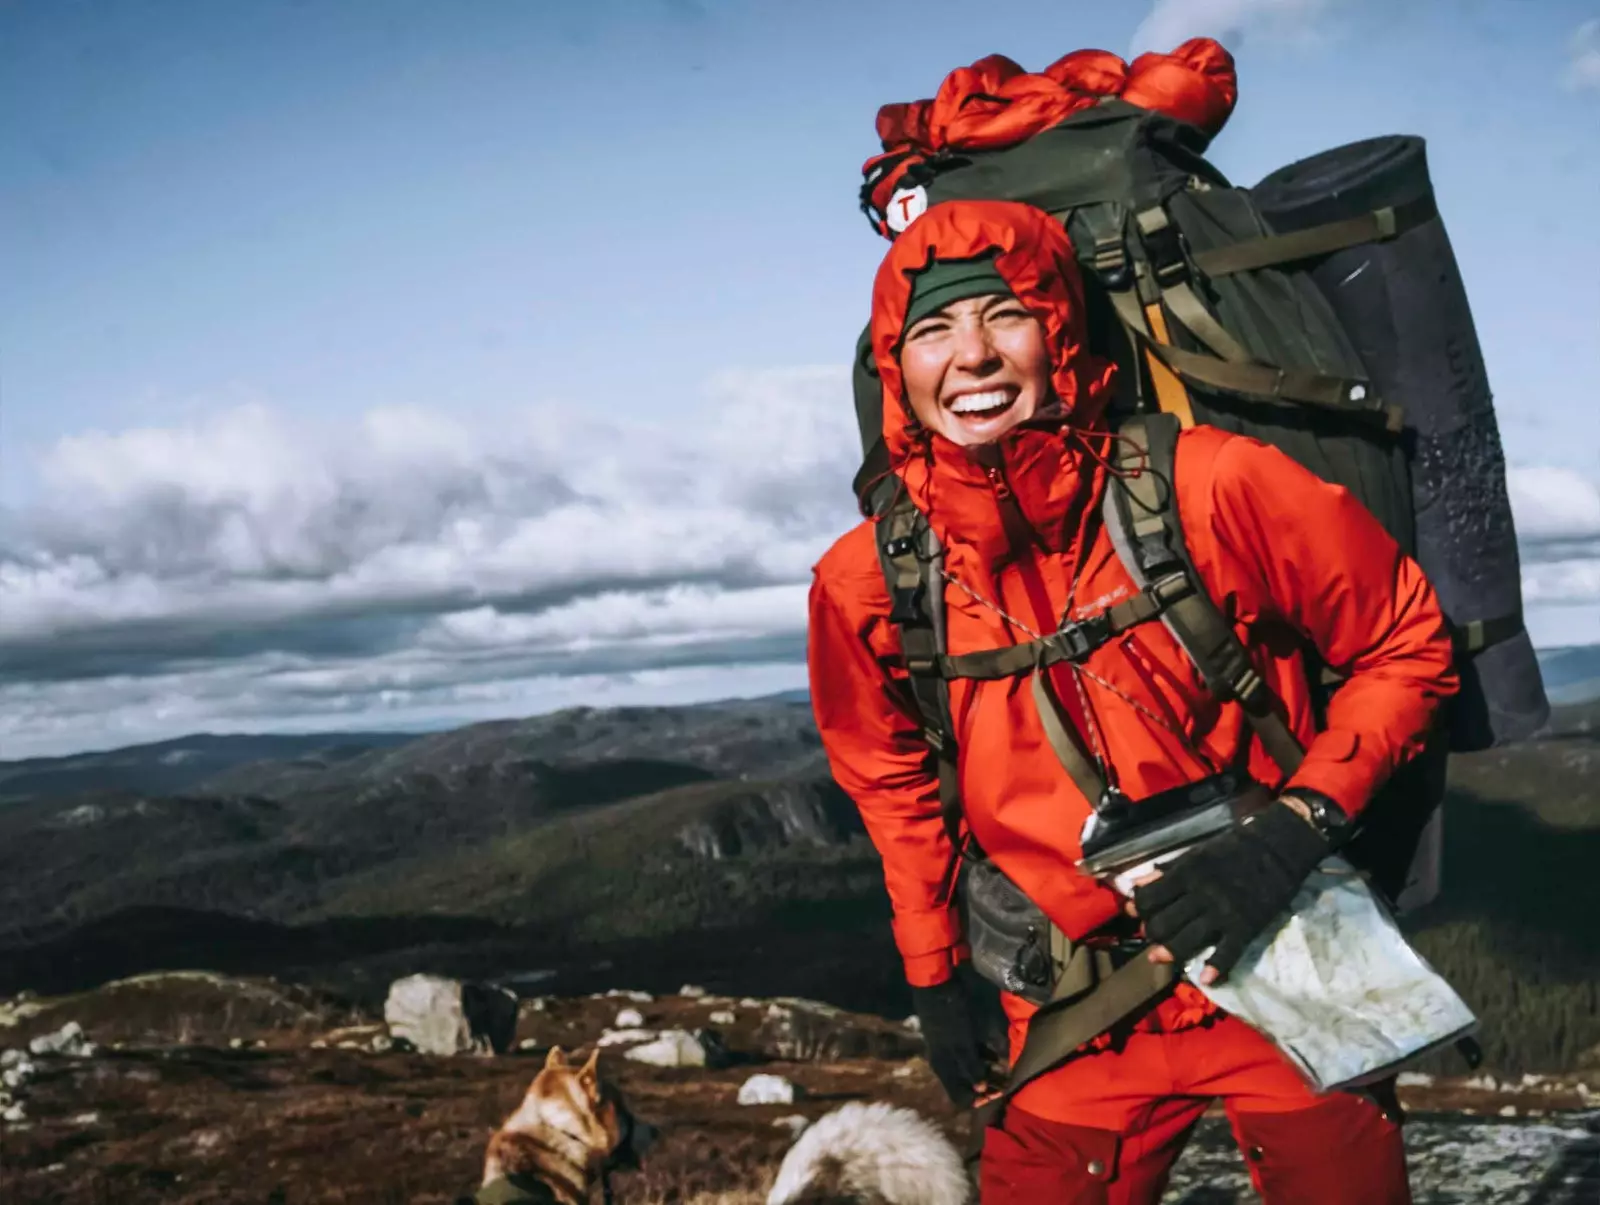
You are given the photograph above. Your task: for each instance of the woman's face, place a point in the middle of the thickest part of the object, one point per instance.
(976, 368)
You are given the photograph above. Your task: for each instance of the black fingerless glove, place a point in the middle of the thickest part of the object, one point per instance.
(950, 1032)
(1227, 890)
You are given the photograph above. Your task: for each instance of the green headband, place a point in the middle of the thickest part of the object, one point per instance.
(948, 280)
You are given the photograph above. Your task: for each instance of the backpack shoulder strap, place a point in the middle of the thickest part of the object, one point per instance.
(1141, 515)
(912, 560)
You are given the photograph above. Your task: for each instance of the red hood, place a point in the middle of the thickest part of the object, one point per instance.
(1044, 462)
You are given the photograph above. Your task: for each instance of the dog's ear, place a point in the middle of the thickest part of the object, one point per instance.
(589, 1075)
(556, 1058)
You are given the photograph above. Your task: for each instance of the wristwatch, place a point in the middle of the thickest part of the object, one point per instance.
(1326, 816)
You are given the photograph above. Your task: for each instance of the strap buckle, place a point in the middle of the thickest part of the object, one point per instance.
(1169, 589)
(906, 605)
(1110, 263)
(1248, 688)
(1077, 640)
(1164, 247)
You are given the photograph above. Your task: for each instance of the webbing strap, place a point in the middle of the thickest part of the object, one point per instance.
(1479, 634)
(1188, 309)
(1284, 385)
(1469, 638)
(1060, 1028)
(1072, 642)
(1142, 518)
(1171, 396)
(1171, 272)
(1126, 303)
(1273, 250)
(908, 550)
(911, 557)
(1089, 781)
(1229, 368)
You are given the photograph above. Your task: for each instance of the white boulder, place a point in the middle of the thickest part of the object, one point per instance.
(68, 1041)
(629, 1018)
(623, 1037)
(767, 1090)
(675, 1048)
(16, 1073)
(446, 1016)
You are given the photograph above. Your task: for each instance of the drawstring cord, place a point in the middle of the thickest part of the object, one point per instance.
(1141, 466)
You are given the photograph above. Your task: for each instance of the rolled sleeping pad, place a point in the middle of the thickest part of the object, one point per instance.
(1404, 304)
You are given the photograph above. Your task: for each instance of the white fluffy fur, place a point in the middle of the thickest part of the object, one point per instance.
(892, 1153)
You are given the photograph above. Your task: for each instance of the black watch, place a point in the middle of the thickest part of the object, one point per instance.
(1327, 817)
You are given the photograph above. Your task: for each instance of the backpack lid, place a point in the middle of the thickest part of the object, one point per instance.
(994, 104)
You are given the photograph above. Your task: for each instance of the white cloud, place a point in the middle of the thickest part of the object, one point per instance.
(245, 520)
(1551, 503)
(1557, 512)
(1583, 63)
(1172, 22)
(247, 571)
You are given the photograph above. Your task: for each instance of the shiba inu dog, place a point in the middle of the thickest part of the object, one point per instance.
(871, 1154)
(566, 1136)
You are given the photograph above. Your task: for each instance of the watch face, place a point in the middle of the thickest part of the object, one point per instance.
(1329, 817)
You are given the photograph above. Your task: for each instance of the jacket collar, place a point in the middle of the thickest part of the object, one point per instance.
(1033, 486)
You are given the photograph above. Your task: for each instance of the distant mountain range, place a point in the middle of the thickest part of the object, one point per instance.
(1571, 675)
(203, 762)
(171, 766)
(703, 843)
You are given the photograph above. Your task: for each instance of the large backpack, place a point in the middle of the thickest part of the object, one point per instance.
(1216, 314)
(1230, 307)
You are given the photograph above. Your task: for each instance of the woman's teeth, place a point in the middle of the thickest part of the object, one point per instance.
(977, 403)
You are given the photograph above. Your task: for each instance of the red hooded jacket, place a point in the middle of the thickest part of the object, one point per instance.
(1287, 556)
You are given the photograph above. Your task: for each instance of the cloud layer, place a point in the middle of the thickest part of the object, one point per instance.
(247, 573)
(413, 569)
(1583, 62)
(1558, 529)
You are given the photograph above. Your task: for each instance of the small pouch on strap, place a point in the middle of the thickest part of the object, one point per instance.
(1012, 941)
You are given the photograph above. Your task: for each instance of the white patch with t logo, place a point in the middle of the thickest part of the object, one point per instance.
(905, 207)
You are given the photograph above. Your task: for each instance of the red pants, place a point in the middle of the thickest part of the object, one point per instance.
(1105, 1129)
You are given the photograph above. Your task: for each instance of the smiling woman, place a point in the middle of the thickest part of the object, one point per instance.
(975, 360)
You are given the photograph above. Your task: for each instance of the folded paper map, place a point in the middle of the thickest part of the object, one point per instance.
(1338, 988)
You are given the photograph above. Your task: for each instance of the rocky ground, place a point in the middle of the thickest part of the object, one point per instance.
(194, 1088)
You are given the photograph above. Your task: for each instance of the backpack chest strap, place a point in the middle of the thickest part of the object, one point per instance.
(1072, 642)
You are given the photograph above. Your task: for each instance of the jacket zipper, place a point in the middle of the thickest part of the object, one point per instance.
(997, 481)
(1022, 532)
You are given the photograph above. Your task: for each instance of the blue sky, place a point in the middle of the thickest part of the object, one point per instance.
(311, 308)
